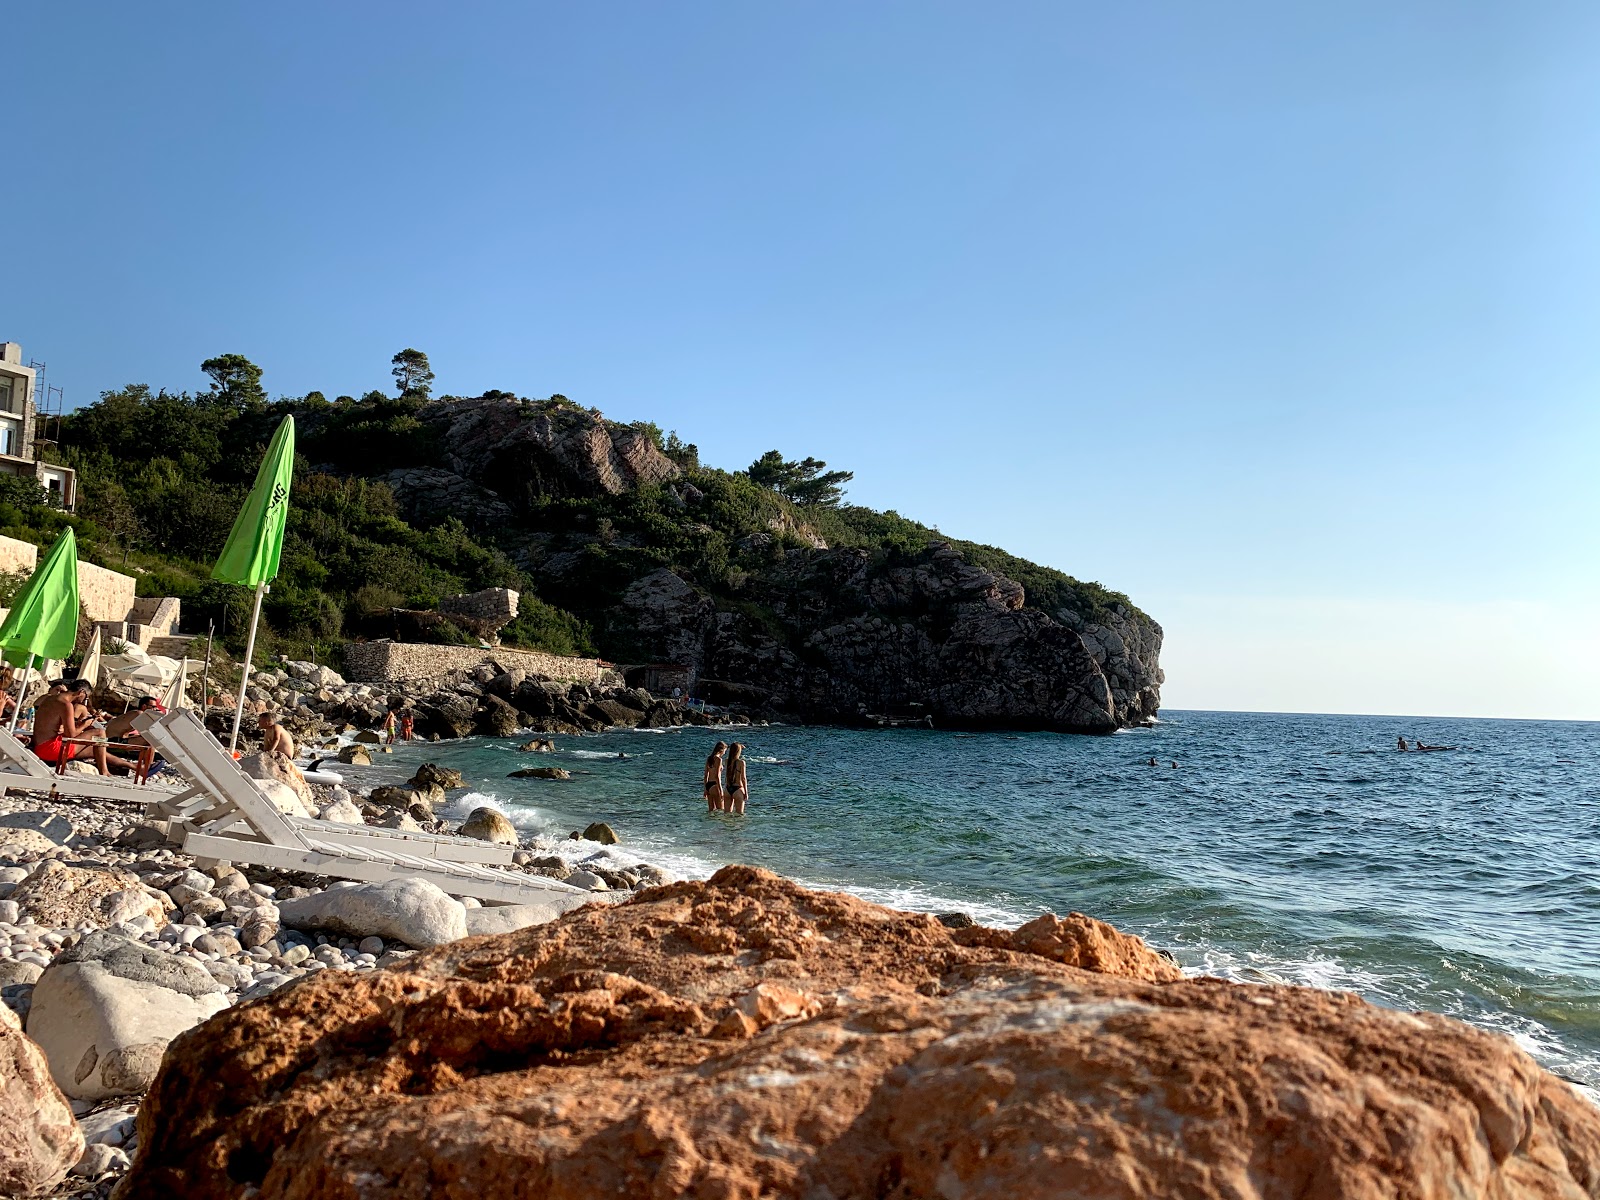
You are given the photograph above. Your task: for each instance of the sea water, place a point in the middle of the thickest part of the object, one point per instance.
(1278, 848)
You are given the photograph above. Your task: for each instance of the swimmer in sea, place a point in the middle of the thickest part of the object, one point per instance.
(713, 778)
(1402, 743)
(738, 781)
(1153, 762)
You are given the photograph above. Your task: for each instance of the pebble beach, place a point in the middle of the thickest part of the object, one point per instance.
(112, 941)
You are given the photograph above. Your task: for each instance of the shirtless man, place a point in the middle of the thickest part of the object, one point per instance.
(275, 737)
(713, 778)
(120, 729)
(738, 782)
(55, 718)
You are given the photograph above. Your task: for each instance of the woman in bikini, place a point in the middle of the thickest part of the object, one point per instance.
(713, 779)
(738, 782)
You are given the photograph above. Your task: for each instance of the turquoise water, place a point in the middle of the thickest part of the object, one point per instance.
(1288, 848)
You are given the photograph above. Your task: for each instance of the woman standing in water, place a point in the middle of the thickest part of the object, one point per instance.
(715, 798)
(738, 783)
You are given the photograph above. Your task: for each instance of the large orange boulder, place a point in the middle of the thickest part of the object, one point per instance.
(746, 1037)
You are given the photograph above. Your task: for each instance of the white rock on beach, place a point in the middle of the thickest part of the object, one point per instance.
(52, 825)
(264, 768)
(105, 1010)
(283, 797)
(342, 812)
(63, 897)
(39, 1138)
(412, 911)
(504, 918)
(19, 843)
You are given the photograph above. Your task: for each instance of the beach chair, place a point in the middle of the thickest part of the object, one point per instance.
(21, 770)
(210, 812)
(233, 821)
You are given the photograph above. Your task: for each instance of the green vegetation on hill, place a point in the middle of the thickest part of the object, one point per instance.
(161, 476)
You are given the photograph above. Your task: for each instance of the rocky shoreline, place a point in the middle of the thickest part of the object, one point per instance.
(317, 704)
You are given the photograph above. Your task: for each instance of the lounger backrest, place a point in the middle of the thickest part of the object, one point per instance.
(183, 739)
(14, 751)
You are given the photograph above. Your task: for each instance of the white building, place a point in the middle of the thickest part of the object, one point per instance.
(19, 446)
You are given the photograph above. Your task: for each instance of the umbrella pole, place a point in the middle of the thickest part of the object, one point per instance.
(244, 681)
(205, 679)
(22, 693)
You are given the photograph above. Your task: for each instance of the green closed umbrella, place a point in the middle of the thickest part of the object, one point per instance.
(256, 543)
(43, 621)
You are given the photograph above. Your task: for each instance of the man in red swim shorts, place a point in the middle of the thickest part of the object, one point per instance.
(55, 720)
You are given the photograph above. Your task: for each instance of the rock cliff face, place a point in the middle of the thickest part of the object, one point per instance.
(744, 1037)
(810, 632)
(935, 635)
(521, 452)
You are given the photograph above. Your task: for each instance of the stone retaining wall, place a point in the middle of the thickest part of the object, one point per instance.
(18, 557)
(105, 595)
(391, 662)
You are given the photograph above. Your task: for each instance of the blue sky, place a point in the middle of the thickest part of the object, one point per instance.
(1280, 318)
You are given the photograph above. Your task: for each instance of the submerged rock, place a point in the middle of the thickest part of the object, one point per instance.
(430, 774)
(745, 1036)
(541, 773)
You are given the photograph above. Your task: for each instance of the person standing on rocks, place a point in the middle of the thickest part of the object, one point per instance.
(713, 779)
(738, 782)
(391, 726)
(408, 723)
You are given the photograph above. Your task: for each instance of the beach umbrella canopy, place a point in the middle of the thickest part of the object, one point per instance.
(177, 695)
(43, 621)
(91, 661)
(256, 542)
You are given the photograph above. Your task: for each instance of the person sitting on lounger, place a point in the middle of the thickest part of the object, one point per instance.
(120, 729)
(56, 727)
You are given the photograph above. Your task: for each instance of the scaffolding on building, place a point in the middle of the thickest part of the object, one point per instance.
(49, 402)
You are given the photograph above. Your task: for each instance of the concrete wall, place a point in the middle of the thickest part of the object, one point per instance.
(390, 662)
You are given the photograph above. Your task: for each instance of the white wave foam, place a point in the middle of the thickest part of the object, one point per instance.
(604, 754)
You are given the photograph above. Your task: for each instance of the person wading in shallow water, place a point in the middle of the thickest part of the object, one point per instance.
(713, 778)
(738, 782)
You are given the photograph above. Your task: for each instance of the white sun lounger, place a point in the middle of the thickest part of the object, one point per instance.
(247, 827)
(21, 770)
(214, 813)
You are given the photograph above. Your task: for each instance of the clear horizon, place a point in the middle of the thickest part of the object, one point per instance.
(1278, 322)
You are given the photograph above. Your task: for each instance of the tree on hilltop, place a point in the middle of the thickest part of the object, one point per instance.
(412, 374)
(236, 381)
(805, 482)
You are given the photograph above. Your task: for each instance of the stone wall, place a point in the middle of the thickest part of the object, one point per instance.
(390, 662)
(105, 595)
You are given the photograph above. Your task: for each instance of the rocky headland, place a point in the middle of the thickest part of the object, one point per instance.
(678, 565)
